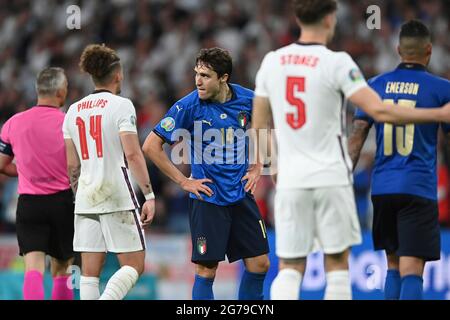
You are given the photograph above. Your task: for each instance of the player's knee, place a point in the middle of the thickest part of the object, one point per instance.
(338, 261)
(261, 265)
(60, 267)
(206, 269)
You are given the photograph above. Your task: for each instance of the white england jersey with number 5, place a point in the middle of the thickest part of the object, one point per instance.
(306, 85)
(94, 124)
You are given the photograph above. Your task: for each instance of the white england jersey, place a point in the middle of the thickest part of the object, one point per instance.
(306, 85)
(94, 124)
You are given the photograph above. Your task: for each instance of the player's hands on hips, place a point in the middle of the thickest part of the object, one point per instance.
(252, 176)
(196, 186)
(148, 212)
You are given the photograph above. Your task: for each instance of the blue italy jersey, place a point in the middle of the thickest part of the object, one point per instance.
(405, 161)
(217, 142)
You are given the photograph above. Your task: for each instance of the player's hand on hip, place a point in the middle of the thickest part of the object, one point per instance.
(148, 212)
(197, 186)
(252, 176)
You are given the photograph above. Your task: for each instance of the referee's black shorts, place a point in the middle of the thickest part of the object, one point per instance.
(46, 223)
(406, 225)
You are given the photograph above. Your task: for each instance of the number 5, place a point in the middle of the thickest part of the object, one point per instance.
(298, 118)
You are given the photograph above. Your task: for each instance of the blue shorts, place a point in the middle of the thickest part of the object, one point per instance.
(237, 231)
(406, 225)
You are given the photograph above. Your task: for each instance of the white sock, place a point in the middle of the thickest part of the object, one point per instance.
(286, 285)
(89, 288)
(338, 286)
(120, 283)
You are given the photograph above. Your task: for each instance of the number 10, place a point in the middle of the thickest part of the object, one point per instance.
(404, 135)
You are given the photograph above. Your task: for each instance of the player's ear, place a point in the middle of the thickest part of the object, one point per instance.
(429, 49)
(224, 78)
(399, 50)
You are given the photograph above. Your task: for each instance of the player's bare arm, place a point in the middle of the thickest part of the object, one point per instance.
(261, 119)
(369, 101)
(356, 140)
(73, 164)
(153, 149)
(7, 167)
(138, 168)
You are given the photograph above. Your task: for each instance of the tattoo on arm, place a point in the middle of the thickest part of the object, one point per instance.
(357, 138)
(74, 174)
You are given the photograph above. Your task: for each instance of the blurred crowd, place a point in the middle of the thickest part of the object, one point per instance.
(158, 40)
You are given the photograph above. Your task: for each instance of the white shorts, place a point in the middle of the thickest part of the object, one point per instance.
(308, 220)
(109, 232)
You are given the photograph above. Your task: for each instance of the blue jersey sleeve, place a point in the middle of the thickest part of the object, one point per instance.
(177, 118)
(360, 114)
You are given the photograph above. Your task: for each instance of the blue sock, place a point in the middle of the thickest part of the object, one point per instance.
(202, 289)
(251, 287)
(412, 288)
(392, 285)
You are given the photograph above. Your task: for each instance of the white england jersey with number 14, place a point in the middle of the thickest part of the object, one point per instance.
(306, 85)
(94, 124)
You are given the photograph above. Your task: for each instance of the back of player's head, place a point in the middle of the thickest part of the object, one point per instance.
(216, 59)
(415, 37)
(49, 81)
(311, 12)
(100, 62)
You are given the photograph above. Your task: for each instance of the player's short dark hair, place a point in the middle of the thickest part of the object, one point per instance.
(312, 11)
(415, 29)
(100, 62)
(217, 59)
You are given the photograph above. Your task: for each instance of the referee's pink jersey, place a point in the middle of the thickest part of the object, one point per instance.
(37, 142)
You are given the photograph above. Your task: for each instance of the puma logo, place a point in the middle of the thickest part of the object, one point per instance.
(207, 122)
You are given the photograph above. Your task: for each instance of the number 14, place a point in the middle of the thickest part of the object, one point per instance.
(95, 130)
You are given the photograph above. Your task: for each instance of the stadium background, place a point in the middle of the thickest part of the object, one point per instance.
(157, 41)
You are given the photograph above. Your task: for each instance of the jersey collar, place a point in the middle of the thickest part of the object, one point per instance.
(101, 90)
(309, 43)
(411, 66)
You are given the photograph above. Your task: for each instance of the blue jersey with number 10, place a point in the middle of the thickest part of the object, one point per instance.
(405, 161)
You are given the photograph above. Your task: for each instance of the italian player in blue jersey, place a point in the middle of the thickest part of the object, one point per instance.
(224, 217)
(404, 183)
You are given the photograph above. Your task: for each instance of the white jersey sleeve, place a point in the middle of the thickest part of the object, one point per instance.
(65, 128)
(126, 117)
(346, 74)
(261, 89)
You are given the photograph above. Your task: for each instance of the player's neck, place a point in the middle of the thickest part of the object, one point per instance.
(48, 102)
(314, 36)
(415, 61)
(224, 95)
(111, 88)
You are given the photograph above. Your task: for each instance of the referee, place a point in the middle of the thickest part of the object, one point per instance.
(45, 206)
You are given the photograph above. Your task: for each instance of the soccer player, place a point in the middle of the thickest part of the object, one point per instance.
(102, 147)
(224, 217)
(404, 182)
(303, 86)
(44, 218)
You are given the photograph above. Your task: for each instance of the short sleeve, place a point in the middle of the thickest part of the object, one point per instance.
(126, 117)
(261, 87)
(5, 142)
(347, 75)
(178, 117)
(65, 127)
